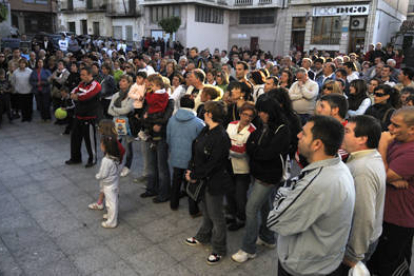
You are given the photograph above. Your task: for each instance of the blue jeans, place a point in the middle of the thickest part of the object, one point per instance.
(158, 171)
(259, 200)
(144, 152)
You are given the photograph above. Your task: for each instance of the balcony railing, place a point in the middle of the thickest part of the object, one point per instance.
(265, 2)
(243, 2)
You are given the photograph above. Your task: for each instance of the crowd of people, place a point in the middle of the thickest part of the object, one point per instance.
(225, 129)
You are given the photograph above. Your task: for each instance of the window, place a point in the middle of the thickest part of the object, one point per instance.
(117, 32)
(326, 30)
(96, 28)
(209, 15)
(43, 2)
(258, 16)
(298, 23)
(128, 30)
(72, 27)
(160, 12)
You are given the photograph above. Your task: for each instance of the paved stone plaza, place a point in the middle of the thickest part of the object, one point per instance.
(47, 229)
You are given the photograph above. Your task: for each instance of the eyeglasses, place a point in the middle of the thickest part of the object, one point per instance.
(247, 115)
(330, 88)
(379, 94)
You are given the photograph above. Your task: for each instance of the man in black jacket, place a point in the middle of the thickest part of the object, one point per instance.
(86, 96)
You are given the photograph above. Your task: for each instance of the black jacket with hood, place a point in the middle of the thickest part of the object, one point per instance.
(268, 144)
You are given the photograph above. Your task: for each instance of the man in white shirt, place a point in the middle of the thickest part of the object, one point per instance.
(386, 73)
(303, 94)
(351, 71)
(63, 44)
(143, 67)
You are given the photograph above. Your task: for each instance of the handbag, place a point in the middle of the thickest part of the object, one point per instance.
(195, 190)
(122, 126)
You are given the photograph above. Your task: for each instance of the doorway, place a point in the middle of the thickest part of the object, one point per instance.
(254, 43)
(84, 27)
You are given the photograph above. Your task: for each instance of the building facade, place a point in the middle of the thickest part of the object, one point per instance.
(32, 16)
(345, 26)
(278, 26)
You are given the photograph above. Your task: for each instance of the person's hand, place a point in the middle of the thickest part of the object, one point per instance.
(400, 184)
(156, 128)
(145, 115)
(188, 177)
(348, 262)
(74, 96)
(387, 137)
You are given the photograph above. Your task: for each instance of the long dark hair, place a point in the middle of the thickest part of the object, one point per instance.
(110, 144)
(394, 100)
(272, 107)
(356, 99)
(281, 95)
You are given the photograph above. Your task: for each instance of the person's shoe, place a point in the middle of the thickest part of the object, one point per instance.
(125, 171)
(192, 241)
(157, 200)
(147, 194)
(242, 256)
(265, 244)
(236, 226)
(96, 206)
(90, 164)
(213, 259)
(107, 226)
(72, 162)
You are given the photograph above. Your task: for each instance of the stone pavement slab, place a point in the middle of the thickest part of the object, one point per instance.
(47, 229)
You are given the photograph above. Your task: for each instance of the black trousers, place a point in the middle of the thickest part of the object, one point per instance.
(83, 130)
(14, 100)
(43, 100)
(105, 105)
(237, 197)
(282, 272)
(393, 254)
(5, 106)
(26, 106)
(178, 178)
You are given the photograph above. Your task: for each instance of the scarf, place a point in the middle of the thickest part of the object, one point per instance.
(121, 96)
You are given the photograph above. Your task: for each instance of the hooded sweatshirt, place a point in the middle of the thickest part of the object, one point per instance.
(182, 128)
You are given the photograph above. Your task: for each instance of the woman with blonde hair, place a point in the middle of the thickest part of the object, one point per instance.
(330, 87)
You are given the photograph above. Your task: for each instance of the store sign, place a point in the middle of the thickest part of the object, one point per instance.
(341, 10)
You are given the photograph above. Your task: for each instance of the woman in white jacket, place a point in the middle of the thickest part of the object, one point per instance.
(239, 132)
(21, 83)
(122, 105)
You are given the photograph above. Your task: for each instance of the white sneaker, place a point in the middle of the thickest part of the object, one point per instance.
(125, 171)
(265, 244)
(242, 256)
(106, 225)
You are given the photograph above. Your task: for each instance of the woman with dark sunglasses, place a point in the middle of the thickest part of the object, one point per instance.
(386, 101)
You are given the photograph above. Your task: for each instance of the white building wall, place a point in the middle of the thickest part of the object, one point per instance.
(206, 35)
(105, 23)
(271, 36)
(387, 23)
(135, 23)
